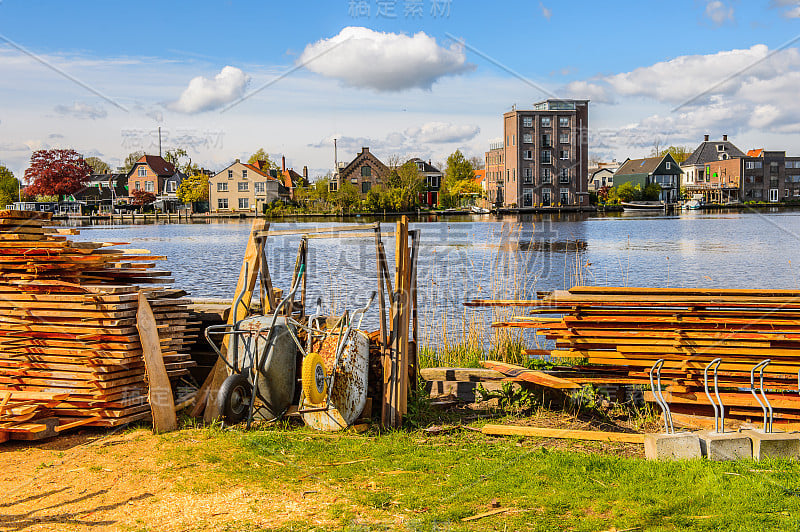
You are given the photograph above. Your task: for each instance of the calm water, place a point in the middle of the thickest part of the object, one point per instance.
(484, 257)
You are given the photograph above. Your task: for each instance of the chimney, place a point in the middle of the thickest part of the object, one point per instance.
(364, 150)
(283, 163)
(725, 138)
(238, 161)
(305, 173)
(705, 138)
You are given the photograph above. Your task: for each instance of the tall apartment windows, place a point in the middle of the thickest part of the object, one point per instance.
(563, 138)
(260, 187)
(527, 138)
(513, 140)
(365, 186)
(564, 196)
(244, 174)
(527, 154)
(149, 186)
(507, 144)
(546, 176)
(773, 168)
(563, 155)
(527, 176)
(366, 171)
(527, 121)
(547, 140)
(244, 203)
(527, 197)
(244, 186)
(563, 175)
(752, 165)
(563, 121)
(222, 203)
(230, 174)
(545, 121)
(142, 172)
(222, 187)
(546, 157)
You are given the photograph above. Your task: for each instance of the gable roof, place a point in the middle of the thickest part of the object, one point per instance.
(707, 152)
(255, 168)
(755, 153)
(364, 154)
(426, 167)
(156, 163)
(480, 175)
(647, 165)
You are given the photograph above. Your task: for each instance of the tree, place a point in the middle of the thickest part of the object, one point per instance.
(176, 157)
(131, 159)
(140, 197)
(9, 187)
(478, 162)
(651, 192)
(626, 192)
(679, 153)
(405, 185)
(457, 171)
(346, 196)
(194, 188)
(98, 165)
(57, 172)
(262, 156)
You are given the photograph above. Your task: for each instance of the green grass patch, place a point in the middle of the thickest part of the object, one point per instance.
(436, 481)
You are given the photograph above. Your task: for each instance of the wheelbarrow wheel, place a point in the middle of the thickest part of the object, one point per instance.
(234, 398)
(315, 387)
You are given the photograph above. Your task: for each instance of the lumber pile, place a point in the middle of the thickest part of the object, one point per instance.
(69, 345)
(617, 334)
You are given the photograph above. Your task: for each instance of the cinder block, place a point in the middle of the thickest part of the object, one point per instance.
(725, 446)
(677, 446)
(774, 444)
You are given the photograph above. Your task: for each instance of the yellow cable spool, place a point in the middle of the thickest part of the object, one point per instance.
(315, 385)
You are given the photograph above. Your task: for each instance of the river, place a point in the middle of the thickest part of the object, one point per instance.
(486, 257)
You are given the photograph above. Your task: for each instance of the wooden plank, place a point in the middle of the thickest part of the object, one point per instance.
(317, 230)
(537, 432)
(532, 376)
(160, 393)
(248, 276)
(460, 374)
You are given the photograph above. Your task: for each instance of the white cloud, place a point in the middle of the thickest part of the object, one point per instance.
(414, 141)
(82, 111)
(442, 132)
(204, 94)
(546, 11)
(718, 12)
(585, 90)
(791, 8)
(361, 57)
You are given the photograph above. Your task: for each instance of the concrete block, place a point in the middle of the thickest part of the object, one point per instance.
(725, 446)
(677, 446)
(774, 444)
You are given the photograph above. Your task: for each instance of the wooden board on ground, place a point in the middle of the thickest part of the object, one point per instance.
(540, 432)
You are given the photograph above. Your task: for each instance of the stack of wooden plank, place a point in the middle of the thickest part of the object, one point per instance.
(622, 332)
(68, 324)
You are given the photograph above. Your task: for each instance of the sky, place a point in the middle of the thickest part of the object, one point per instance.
(408, 78)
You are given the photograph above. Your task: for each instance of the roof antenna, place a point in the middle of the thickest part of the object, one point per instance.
(159, 141)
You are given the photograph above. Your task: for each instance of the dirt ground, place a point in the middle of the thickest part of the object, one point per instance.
(100, 481)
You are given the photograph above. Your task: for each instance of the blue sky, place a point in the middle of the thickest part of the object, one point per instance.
(100, 76)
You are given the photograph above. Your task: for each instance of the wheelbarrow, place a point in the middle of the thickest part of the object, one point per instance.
(264, 353)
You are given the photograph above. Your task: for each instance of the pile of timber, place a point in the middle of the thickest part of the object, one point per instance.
(69, 347)
(617, 334)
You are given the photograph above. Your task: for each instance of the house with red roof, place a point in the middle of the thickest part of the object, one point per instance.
(154, 174)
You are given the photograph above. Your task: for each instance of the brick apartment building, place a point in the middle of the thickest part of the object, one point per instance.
(545, 155)
(495, 173)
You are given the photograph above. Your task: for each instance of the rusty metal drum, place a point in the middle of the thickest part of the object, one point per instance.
(349, 393)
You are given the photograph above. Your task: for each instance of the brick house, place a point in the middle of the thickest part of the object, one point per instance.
(150, 173)
(713, 171)
(546, 155)
(364, 172)
(770, 176)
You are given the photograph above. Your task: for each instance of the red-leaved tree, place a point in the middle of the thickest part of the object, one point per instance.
(56, 173)
(140, 197)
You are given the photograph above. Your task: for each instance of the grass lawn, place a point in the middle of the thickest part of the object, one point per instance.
(416, 481)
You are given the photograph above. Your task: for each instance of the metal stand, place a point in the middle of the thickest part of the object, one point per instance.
(719, 414)
(656, 387)
(765, 404)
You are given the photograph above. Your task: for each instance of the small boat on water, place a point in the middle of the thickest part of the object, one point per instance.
(642, 206)
(691, 205)
(479, 210)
